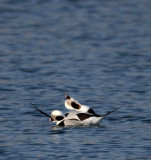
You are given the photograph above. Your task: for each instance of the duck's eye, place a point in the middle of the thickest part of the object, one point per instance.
(75, 105)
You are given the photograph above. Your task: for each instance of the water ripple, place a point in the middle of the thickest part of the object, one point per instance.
(96, 51)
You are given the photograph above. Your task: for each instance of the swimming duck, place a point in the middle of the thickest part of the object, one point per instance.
(74, 118)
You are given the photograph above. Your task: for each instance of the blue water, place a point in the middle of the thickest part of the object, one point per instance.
(98, 52)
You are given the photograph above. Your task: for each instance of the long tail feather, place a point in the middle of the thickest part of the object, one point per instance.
(33, 105)
(112, 111)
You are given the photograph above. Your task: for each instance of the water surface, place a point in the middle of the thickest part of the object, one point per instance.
(96, 51)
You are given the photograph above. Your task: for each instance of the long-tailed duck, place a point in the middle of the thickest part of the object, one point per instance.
(60, 119)
(72, 104)
(74, 118)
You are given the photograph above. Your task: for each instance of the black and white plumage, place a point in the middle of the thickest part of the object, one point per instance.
(64, 120)
(74, 118)
(85, 118)
(84, 114)
(72, 104)
(78, 116)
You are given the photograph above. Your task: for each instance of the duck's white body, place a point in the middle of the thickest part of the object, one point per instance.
(92, 121)
(75, 118)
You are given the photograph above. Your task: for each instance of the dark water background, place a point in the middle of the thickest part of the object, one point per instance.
(97, 51)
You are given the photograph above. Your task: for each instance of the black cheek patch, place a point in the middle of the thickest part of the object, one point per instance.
(59, 118)
(75, 105)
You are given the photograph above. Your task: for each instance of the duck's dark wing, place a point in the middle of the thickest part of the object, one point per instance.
(84, 116)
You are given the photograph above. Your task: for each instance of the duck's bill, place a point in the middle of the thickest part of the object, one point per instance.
(67, 96)
(50, 120)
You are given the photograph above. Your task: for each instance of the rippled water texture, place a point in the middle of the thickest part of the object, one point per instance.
(99, 52)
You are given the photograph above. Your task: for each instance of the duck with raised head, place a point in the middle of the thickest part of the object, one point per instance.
(80, 114)
(72, 104)
(84, 114)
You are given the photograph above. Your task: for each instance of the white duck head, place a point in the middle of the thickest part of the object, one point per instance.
(56, 116)
(72, 104)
